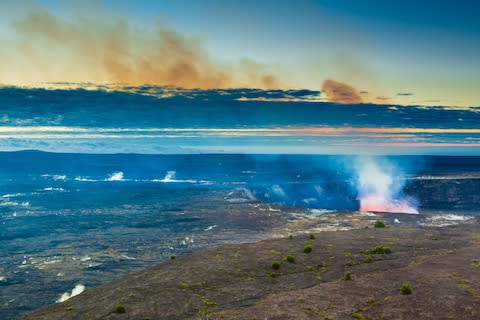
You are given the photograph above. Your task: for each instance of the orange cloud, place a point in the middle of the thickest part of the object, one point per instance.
(339, 92)
(46, 48)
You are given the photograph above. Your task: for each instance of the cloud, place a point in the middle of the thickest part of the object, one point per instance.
(255, 73)
(404, 94)
(47, 48)
(339, 92)
(157, 119)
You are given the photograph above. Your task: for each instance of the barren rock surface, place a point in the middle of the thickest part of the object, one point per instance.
(442, 265)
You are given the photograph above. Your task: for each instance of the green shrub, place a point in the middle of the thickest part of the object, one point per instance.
(312, 236)
(380, 250)
(275, 265)
(120, 308)
(290, 259)
(369, 259)
(307, 248)
(273, 274)
(172, 257)
(406, 288)
(380, 224)
(290, 237)
(347, 276)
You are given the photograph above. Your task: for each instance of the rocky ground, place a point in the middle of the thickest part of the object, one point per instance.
(441, 265)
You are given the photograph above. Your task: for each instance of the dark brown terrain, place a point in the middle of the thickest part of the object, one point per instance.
(442, 266)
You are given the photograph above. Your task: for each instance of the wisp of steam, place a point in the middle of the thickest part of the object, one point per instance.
(380, 187)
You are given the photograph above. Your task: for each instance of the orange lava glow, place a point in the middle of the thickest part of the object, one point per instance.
(375, 203)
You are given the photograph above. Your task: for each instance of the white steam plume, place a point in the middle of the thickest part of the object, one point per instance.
(380, 187)
(79, 288)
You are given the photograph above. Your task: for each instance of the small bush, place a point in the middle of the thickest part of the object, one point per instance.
(290, 237)
(380, 224)
(172, 257)
(120, 308)
(406, 288)
(307, 249)
(369, 259)
(380, 250)
(273, 274)
(347, 276)
(275, 265)
(312, 236)
(290, 259)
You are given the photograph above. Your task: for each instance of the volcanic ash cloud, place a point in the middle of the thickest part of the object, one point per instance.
(41, 46)
(339, 92)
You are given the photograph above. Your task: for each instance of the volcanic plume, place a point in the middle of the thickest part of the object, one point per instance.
(339, 92)
(380, 188)
(49, 48)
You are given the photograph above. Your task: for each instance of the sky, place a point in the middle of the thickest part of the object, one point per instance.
(169, 120)
(399, 52)
(305, 76)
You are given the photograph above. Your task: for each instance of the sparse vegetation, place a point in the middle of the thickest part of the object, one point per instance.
(380, 250)
(353, 263)
(310, 268)
(290, 237)
(312, 236)
(273, 274)
(275, 265)
(290, 259)
(369, 259)
(380, 224)
(205, 310)
(373, 303)
(324, 315)
(406, 288)
(465, 284)
(172, 257)
(307, 249)
(274, 252)
(347, 276)
(358, 316)
(120, 308)
(476, 264)
(184, 285)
